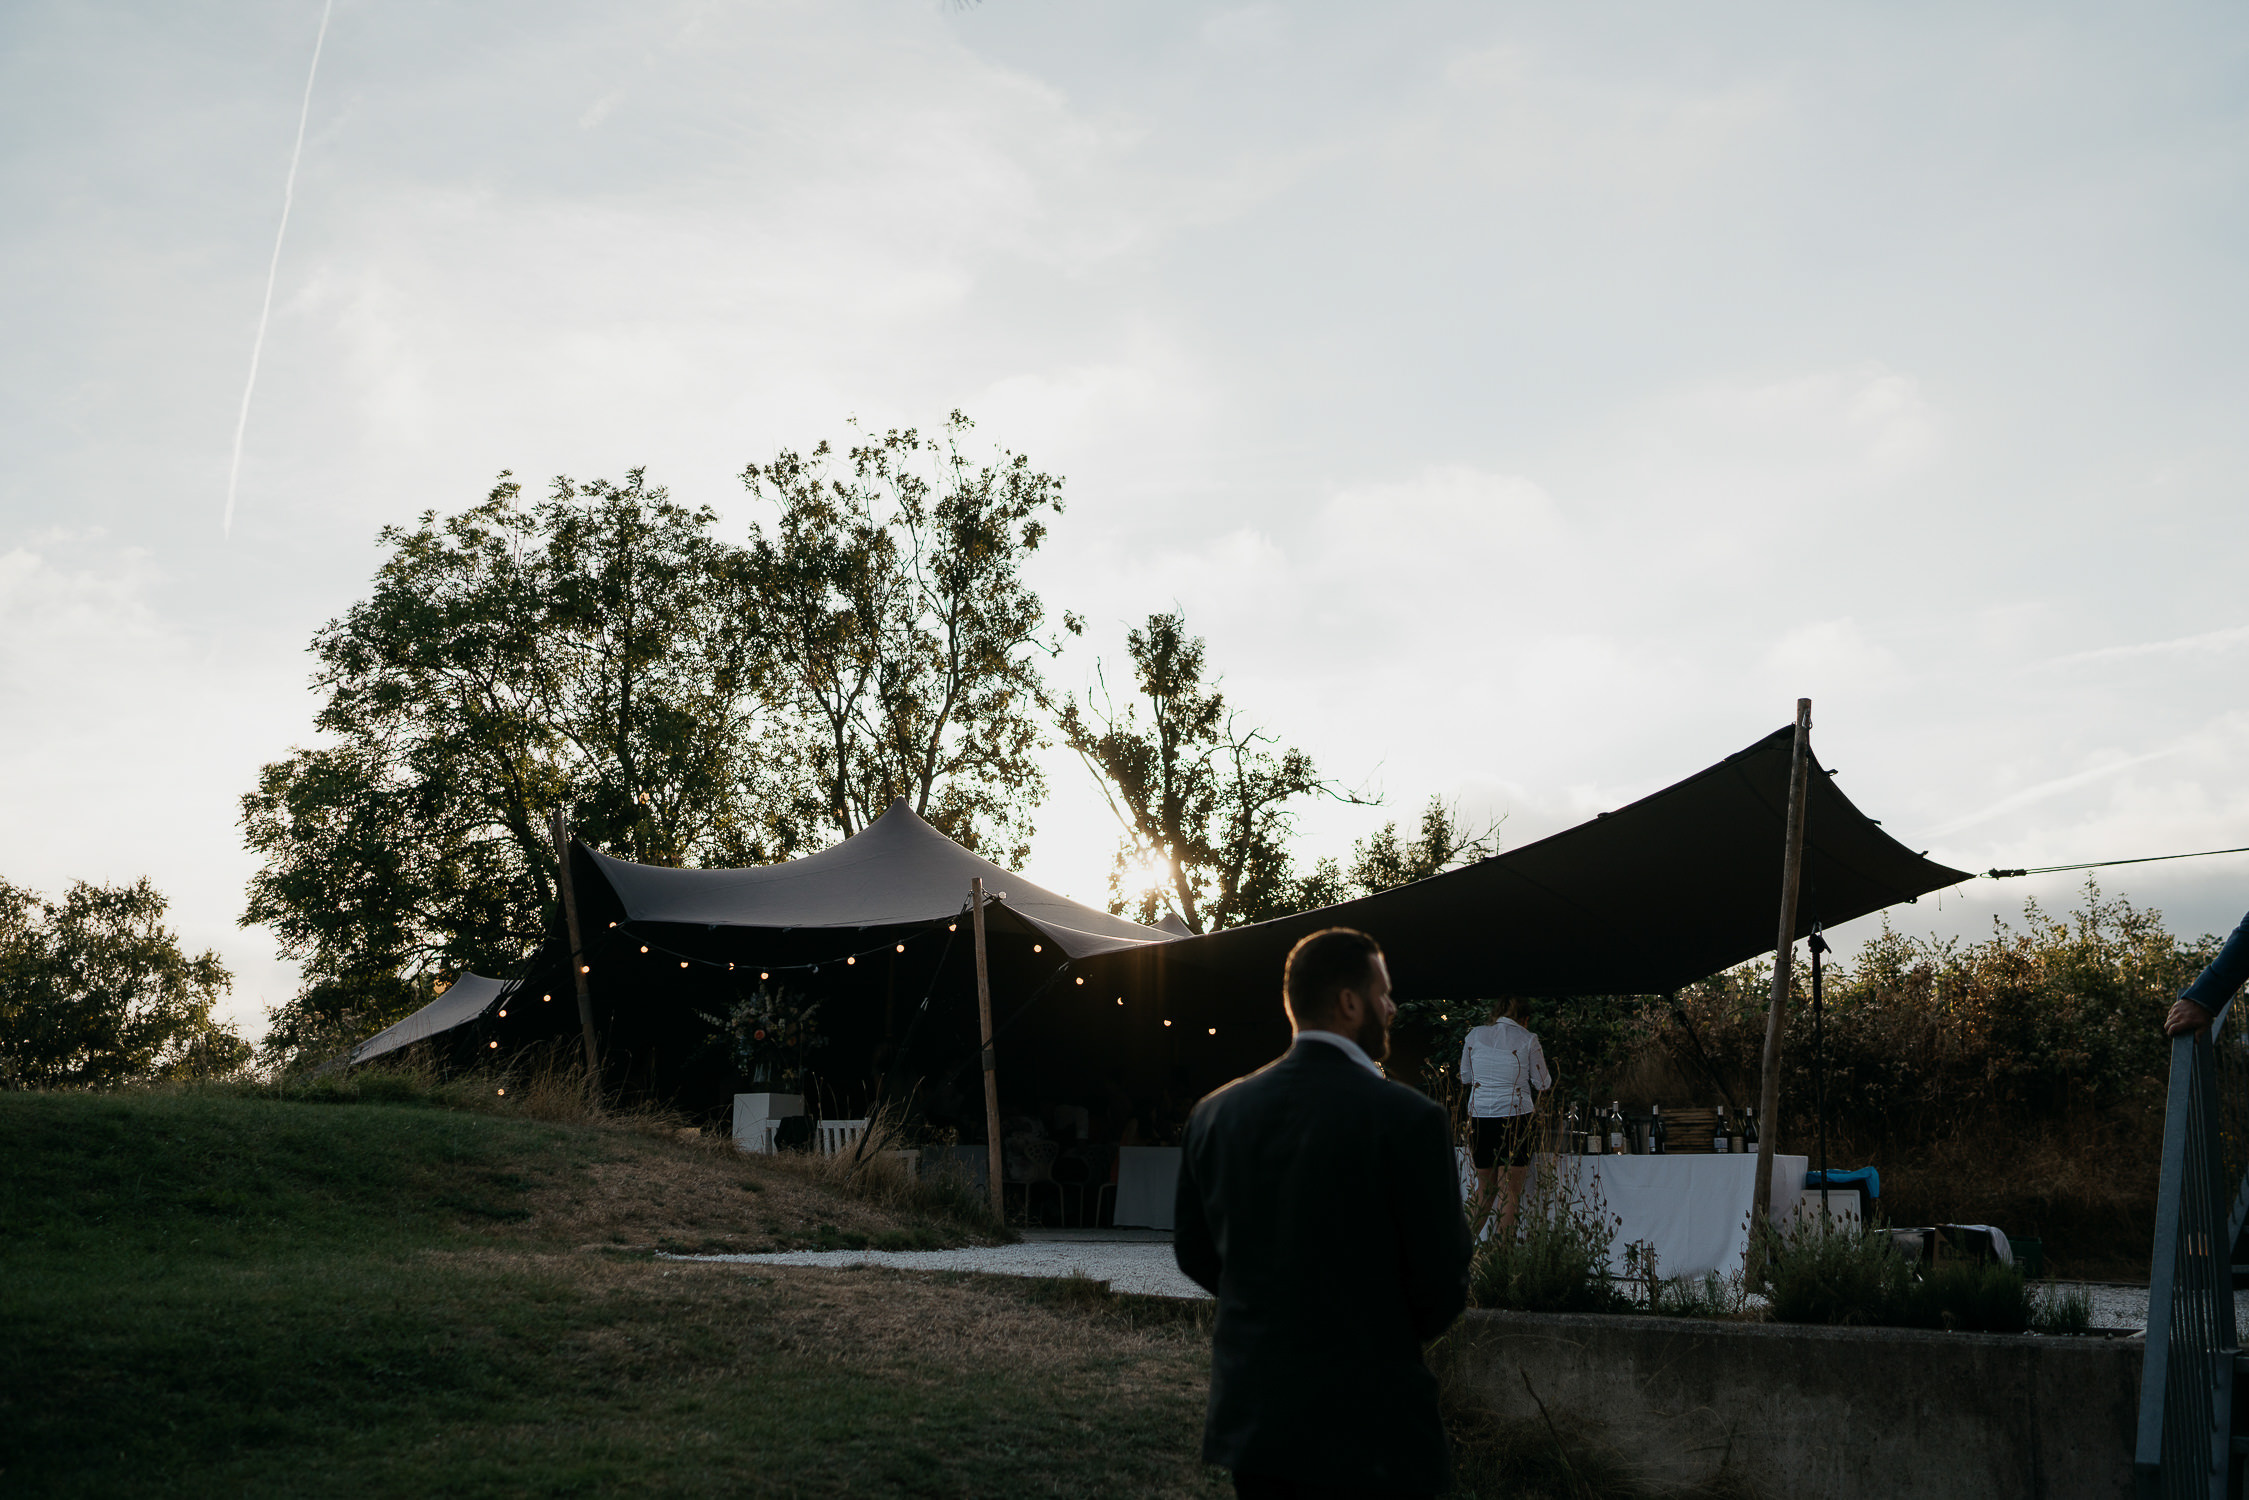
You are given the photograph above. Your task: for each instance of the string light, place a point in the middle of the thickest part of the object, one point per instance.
(585, 968)
(644, 947)
(901, 947)
(851, 960)
(952, 926)
(503, 1015)
(546, 997)
(1214, 1031)
(503, 1091)
(612, 924)
(762, 974)
(495, 1046)
(683, 963)
(1081, 979)
(1120, 999)
(1167, 1023)
(1038, 948)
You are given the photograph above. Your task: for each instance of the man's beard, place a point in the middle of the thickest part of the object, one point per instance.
(1374, 1035)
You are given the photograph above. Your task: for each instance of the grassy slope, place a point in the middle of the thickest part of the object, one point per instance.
(204, 1294)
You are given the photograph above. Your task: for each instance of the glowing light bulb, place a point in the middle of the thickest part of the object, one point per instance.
(1037, 948)
(952, 926)
(612, 924)
(762, 974)
(546, 997)
(1120, 999)
(901, 947)
(1081, 979)
(503, 1015)
(503, 1091)
(1167, 1023)
(1214, 1031)
(495, 1046)
(683, 963)
(851, 960)
(585, 968)
(644, 947)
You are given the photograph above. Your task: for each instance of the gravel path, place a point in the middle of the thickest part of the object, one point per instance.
(1143, 1266)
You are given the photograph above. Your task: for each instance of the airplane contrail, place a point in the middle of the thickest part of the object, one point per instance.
(273, 269)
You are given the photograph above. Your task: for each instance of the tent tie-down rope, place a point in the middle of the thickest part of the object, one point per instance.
(2102, 864)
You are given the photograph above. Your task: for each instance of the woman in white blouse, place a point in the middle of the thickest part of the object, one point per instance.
(1502, 1066)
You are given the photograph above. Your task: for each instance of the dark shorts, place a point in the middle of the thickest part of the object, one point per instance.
(1508, 1136)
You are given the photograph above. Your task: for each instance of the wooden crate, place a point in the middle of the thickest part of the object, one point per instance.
(1687, 1132)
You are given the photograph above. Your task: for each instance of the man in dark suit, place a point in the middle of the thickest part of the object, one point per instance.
(1321, 1205)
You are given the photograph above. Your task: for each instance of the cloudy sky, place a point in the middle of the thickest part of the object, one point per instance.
(1528, 404)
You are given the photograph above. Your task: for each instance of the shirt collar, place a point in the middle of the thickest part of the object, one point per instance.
(1346, 1046)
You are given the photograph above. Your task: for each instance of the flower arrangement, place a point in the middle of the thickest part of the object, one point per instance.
(772, 1032)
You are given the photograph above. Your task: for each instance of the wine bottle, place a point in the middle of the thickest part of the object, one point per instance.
(1656, 1133)
(1575, 1136)
(1721, 1140)
(1748, 1127)
(1614, 1124)
(1596, 1134)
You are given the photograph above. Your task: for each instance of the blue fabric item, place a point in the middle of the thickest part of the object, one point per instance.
(1837, 1177)
(2216, 984)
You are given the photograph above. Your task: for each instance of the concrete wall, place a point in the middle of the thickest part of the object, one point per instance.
(1835, 1412)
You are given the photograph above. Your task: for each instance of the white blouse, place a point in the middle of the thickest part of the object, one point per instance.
(1500, 1065)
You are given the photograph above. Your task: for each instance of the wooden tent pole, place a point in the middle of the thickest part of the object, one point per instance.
(991, 1069)
(1784, 953)
(577, 949)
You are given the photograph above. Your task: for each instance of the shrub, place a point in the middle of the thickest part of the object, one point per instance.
(1814, 1274)
(1556, 1257)
(1967, 1297)
(2062, 1311)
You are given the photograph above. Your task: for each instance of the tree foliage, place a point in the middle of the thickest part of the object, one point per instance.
(902, 636)
(1204, 800)
(592, 653)
(2056, 1017)
(95, 990)
(685, 699)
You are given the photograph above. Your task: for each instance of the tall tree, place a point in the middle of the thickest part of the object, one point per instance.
(95, 990)
(891, 602)
(1385, 859)
(1205, 800)
(592, 651)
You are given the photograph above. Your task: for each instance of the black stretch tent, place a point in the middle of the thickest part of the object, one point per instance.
(898, 871)
(1657, 894)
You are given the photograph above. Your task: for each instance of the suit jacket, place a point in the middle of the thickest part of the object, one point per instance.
(1321, 1206)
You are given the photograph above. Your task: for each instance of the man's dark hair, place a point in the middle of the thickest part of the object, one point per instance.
(1321, 967)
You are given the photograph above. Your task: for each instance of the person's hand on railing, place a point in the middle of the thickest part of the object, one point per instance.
(2186, 1016)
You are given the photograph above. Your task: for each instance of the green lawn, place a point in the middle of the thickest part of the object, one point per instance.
(212, 1294)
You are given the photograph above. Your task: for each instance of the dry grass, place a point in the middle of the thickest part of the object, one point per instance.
(2086, 1188)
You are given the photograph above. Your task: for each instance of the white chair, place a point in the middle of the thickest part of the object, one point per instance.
(835, 1136)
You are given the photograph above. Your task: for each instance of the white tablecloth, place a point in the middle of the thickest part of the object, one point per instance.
(1694, 1209)
(1147, 1179)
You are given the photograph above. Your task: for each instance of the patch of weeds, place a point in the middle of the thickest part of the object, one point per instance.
(2064, 1312)
(1555, 1258)
(1815, 1274)
(1969, 1297)
(828, 1237)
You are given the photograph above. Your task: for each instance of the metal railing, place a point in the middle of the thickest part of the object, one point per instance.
(2186, 1387)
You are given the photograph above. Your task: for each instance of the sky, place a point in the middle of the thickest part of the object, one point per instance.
(1527, 404)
